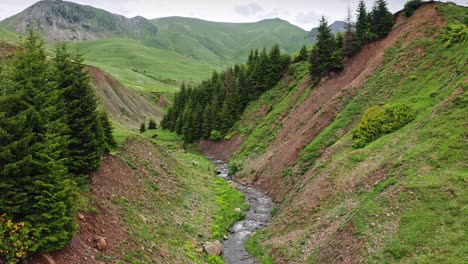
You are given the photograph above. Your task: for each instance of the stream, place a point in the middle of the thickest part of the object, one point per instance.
(258, 216)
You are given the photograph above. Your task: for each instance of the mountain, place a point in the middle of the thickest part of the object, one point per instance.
(336, 27)
(59, 20)
(219, 43)
(401, 198)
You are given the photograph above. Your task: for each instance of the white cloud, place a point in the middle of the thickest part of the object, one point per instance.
(248, 10)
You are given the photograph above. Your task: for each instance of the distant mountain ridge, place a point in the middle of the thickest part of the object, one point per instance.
(59, 20)
(218, 42)
(336, 27)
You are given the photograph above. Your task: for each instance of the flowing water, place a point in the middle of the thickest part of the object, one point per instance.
(258, 216)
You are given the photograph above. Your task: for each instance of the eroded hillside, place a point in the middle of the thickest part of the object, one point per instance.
(401, 198)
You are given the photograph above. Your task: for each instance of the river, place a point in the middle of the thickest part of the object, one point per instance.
(258, 216)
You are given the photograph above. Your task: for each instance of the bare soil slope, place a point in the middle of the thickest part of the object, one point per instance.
(123, 104)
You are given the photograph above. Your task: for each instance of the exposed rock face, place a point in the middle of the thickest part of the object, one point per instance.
(65, 21)
(214, 248)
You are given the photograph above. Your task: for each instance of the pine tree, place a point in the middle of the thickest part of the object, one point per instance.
(106, 131)
(303, 55)
(275, 67)
(86, 146)
(142, 127)
(381, 19)
(34, 183)
(152, 124)
(362, 24)
(350, 45)
(325, 56)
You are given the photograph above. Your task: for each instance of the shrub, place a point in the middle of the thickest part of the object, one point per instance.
(152, 125)
(455, 34)
(15, 241)
(381, 120)
(216, 135)
(234, 167)
(142, 128)
(411, 6)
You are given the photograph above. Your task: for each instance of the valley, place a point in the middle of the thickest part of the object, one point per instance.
(347, 151)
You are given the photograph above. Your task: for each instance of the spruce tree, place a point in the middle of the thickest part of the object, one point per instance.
(106, 131)
(350, 45)
(86, 145)
(362, 24)
(34, 183)
(303, 55)
(381, 19)
(325, 55)
(142, 127)
(152, 124)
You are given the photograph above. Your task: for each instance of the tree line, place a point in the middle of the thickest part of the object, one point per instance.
(210, 109)
(328, 52)
(51, 136)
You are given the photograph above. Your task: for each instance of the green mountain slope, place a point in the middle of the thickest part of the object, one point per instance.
(141, 67)
(66, 21)
(400, 199)
(220, 43)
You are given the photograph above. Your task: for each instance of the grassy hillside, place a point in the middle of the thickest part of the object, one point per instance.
(141, 67)
(220, 43)
(400, 199)
(151, 203)
(8, 35)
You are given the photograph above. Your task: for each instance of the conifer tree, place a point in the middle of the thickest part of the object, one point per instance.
(142, 127)
(303, 55)
(362, 24)
(106, 131)
(325, 55)
(34, 183)
(350, 45)
(381, 19)
(152, 124)
(86, 145)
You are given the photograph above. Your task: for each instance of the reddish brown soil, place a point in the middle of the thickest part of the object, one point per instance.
(326, 100)
(6, 49)
(124, 104)
(115, 180)
(223, 149)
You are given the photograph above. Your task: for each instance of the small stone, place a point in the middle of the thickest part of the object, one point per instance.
(49, 259)
(163, 253)
(101, 243)
(143, 218)
(237, 210)
(81, 216)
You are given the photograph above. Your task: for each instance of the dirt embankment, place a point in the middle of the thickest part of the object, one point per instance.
(104, 219)
(325, 101)
(123, 104)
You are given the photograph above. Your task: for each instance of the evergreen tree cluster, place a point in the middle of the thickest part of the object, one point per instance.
(50, 132)
(210, 109)
(328, 52)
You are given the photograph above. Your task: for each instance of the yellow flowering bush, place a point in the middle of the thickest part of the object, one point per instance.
(15, 241)
(378, 121)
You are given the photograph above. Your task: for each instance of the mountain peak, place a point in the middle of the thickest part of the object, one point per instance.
(59, 20)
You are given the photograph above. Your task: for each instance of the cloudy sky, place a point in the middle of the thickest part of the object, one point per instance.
(303, 13)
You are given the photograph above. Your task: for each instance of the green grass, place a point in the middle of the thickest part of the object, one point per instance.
(415, 211)
(227, 199)
(141, 67)
(279, 100)
(219, 44)
(8, 35)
